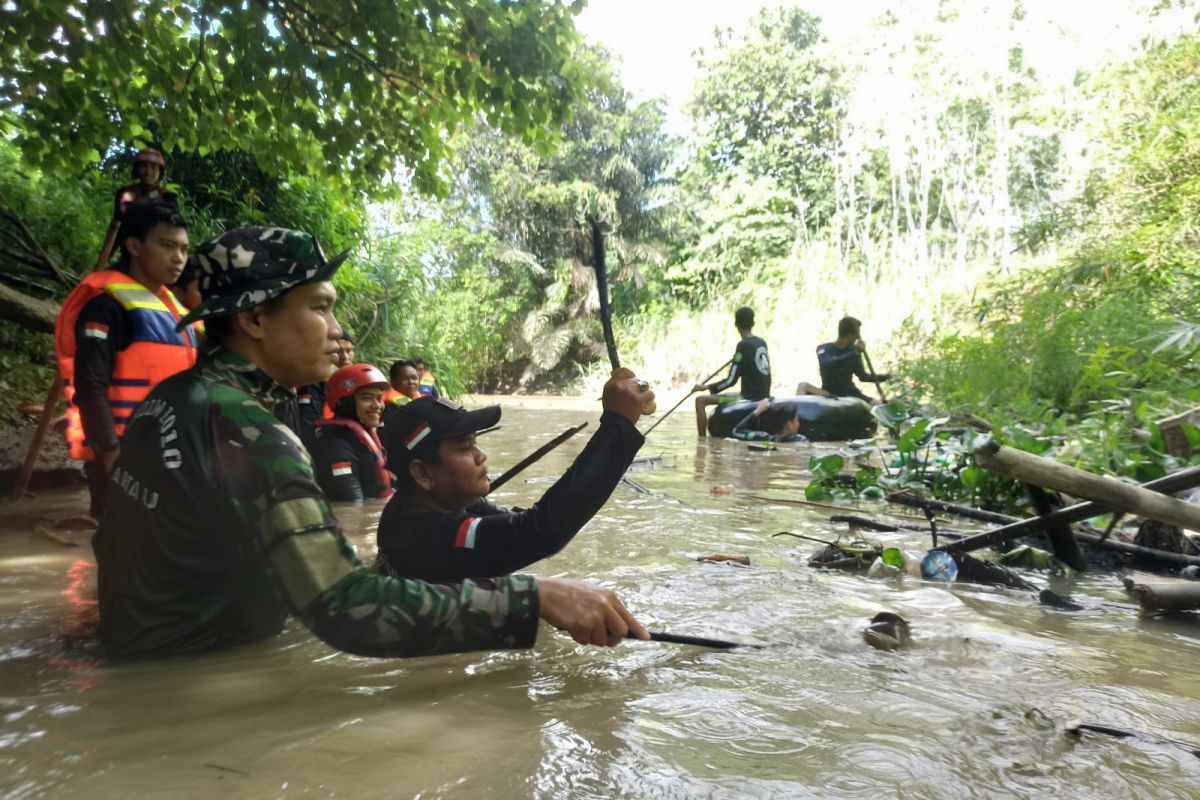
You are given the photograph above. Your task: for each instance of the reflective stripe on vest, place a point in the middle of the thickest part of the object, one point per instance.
(425, 387)
(155, 351)
(370, 440)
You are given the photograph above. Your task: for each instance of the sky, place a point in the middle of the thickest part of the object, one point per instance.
(655, 40)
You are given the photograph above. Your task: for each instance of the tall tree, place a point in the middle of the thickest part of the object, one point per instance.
(768, 104)
(307, 86)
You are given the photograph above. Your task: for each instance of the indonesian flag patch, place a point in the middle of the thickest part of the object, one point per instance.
(417, 436)
(95, 330)
(466, 533)
(340, 468)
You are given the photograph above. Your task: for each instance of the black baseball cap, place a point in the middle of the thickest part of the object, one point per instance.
(430, 419)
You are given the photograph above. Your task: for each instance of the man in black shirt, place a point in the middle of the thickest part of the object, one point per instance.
(750, 364)
(438, 526)
(841, 360)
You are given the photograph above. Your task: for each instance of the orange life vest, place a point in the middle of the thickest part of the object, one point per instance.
(155, 353)
(391, 396)
(370, 440)
(427, 382)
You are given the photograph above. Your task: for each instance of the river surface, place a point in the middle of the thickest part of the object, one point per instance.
(976, 709)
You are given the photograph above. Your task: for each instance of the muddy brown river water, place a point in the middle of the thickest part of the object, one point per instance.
(975, 710)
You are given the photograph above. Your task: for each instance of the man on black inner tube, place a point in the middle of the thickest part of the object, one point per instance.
(440, 527)
(841, 361)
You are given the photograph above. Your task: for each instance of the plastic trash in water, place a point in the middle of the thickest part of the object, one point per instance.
(882, 569)
(939, 565)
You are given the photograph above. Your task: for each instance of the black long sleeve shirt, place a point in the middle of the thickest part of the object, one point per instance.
(487, 540)
(839, 365)
(95, 360)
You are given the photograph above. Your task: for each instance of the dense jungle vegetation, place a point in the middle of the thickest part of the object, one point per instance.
(1020, 236)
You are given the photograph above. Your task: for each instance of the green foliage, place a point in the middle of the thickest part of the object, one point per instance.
(321, 88)
(768, 107)
(507, 256)
(1115, 321)
(67, 215)
(747, 227)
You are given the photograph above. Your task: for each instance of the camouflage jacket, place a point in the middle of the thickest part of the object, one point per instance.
(216, 530)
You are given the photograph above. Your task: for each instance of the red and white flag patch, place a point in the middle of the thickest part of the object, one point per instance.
(340, 468)
(466, 533)
(95, 330)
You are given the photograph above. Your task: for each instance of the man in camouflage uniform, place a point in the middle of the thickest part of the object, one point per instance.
(216, 529)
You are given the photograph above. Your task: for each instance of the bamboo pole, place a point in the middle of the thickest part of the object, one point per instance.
(1109, 492)
(39, 436)
(1169, 484)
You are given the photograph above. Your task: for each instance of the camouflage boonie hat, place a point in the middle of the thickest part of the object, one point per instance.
(246, 267)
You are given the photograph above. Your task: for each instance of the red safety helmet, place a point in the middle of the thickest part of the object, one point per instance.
(348, 380)
(150, 156)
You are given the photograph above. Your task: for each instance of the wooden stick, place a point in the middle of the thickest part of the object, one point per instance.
(39, 435)
(1110, 492)
(1176, 560)
(912, 501)
(878, 384)
(534, 456)
(1169, 484)
(685, 397)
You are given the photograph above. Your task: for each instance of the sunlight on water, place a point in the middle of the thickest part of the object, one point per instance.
(975, 709)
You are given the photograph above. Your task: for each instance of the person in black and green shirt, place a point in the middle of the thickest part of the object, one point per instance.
(751, 365)
(216, 528)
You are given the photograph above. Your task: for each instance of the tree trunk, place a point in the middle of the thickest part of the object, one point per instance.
(26, 311)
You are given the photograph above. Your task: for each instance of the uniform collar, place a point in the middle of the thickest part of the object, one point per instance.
(238, 370)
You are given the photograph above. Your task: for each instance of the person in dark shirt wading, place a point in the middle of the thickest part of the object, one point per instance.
(439, 527)
(347, 455)
(751, 365)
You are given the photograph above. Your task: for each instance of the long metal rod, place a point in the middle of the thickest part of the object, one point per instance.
(699, 641)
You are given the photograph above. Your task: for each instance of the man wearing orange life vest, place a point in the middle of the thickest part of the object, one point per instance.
(404, 384)
(115, 339)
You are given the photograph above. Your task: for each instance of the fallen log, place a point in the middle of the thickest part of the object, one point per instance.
(1109, 492)
(1161, 596)
(27, 311)
(1169, 484)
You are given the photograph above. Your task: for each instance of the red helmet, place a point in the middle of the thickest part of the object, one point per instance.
(348, 380)
(150, 156)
